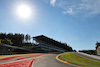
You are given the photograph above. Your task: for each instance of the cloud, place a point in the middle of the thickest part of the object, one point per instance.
(78, 7)
(68, 11)
(52, 2)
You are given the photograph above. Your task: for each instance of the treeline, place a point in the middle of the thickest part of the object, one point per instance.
(92, 52)
(16, 39)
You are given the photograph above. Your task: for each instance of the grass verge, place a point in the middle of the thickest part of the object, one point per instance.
(74, 59)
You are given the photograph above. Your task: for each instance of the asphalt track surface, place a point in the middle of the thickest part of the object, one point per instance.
(23, 60)
(86, 56)
(37, 60)
(49, 60)
(32, 60)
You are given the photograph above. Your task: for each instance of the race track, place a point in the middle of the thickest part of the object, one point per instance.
(32, 60)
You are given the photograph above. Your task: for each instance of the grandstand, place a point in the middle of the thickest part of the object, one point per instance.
(46, 42)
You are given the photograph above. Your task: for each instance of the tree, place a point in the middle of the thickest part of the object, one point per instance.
(27, 37)
(2, 35)
(97, 45)
(7, 41)
(18, 39)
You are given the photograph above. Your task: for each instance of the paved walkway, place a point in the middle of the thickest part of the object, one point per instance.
(87, 56)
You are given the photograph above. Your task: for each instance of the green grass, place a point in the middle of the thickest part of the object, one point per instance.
(74, 59)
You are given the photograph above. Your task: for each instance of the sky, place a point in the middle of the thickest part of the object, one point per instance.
(75, 22)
